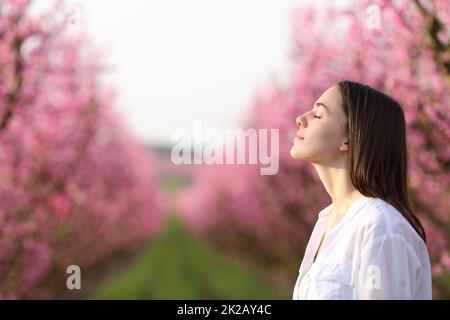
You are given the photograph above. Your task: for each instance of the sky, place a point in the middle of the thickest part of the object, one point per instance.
(175, 62)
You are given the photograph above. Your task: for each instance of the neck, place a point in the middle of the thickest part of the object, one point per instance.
(337, 183)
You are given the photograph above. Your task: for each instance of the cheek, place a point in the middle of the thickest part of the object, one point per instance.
(322, 127)
(327, 136)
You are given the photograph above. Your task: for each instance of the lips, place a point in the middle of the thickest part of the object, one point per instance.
(296, 135)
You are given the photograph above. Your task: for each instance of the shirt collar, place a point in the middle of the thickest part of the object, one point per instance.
(354, 207)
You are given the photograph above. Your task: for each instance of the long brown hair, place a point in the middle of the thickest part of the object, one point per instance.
(378, 151)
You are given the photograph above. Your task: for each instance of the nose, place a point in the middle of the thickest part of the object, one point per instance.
(301, 122)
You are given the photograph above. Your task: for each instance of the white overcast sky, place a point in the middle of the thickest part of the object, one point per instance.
(175, 62)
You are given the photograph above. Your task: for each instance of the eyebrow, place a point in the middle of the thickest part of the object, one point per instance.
(318, 104)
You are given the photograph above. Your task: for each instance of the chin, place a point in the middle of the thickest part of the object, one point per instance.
(294, 154)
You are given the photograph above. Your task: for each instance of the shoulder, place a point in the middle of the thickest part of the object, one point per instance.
(381, 220)
(377, 212)
(386, 238)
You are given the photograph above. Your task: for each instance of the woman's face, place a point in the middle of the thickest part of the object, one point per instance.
(322, 130)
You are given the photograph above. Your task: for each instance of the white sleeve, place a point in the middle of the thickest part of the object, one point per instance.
(389, 269)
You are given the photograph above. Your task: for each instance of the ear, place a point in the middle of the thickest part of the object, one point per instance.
(344, 147)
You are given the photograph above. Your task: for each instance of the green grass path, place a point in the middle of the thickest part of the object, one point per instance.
(177, 265)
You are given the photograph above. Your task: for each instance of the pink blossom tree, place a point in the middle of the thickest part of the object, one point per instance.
(75, 187)
(269, 218)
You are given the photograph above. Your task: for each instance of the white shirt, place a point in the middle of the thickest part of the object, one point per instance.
(372, 253)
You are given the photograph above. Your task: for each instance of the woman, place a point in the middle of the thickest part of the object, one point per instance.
(367, 244)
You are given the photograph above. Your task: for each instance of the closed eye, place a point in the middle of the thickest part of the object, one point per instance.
(317, 117)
